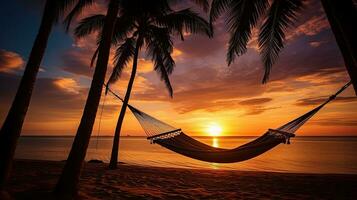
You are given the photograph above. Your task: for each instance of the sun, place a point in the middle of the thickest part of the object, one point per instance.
(214, 130)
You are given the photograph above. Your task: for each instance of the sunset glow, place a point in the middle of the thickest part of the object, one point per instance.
(204, 88)
(214, 130)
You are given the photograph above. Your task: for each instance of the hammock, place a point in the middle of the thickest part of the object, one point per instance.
(175, 139)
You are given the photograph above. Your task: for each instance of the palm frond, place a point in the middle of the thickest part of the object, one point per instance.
(60, 7)
(77, 9)
(123, 55)
(160, 68)
(281, 15)
(169, 63)
(94, 57)
(243, 16)
(159, 42)
(159, 47)
(185, 20)
(124, 25)
(217, 8)
(88, 25)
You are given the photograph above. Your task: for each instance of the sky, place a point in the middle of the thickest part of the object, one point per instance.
(208, 94)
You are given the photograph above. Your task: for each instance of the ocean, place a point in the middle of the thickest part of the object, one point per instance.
(303, 155)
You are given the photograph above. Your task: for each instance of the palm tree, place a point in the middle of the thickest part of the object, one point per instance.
(12, 126)
(243, 15)
(154, 29)
(146, 25)
(341, 15)
(67, 185)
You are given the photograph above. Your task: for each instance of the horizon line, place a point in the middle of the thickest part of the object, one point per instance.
(191, 135)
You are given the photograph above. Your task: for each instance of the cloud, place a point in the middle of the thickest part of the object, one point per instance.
(77, 61)
(334, 122)
(316, 43)
(51, 101)
(197, 46)
(56, 105)
(311, 27)
(203, 86)
(300, 59)
(319, 100)
(255, 101)
(67, 85)
(255, 106)
(201, 46)
(10, 61)
(256, 110)
(144, 65)
(206, 87)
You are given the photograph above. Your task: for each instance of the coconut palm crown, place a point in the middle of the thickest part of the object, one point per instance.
(150, 25)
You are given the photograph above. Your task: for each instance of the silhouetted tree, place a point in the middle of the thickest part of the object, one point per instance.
(143, 24)
(67, 185)
(12, 126)
(342, 15)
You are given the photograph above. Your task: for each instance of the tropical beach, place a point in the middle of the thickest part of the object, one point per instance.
(137, 182)
(193, 99)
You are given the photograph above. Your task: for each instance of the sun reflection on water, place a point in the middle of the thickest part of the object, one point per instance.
(215, 142)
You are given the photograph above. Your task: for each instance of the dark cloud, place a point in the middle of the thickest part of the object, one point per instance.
(206, 87)
(201, 81)
(255, 101)
(319, 100)
(256, 110)
(300, 59)
(49, 101)
(255, 106)
(335, 122)
(203, 86)
(77, 61)
(199, 84)
(201, 46)
(197, 46)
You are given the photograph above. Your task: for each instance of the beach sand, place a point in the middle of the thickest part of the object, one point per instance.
(35, 179)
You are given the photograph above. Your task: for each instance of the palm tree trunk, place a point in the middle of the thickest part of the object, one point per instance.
(342, 15)
(115, 149)
(67, 185)
(11, 129)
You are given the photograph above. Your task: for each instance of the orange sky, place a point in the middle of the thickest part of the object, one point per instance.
(206, 91)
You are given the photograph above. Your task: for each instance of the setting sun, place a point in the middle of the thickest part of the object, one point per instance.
(214, 130)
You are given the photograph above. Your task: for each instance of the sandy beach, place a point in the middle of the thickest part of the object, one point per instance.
(34, 180)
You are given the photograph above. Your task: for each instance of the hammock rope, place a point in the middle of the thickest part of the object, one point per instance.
(176, 140)
(100, 123)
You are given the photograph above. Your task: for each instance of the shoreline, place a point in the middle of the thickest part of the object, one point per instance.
(106, 163)
(36, 179)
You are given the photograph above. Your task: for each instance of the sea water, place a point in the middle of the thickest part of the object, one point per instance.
(303, 155)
